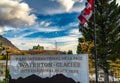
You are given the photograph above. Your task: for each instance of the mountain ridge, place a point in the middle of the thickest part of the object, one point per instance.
(58, 78)
(9, 46)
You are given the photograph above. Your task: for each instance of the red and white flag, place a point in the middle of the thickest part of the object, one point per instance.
(87, 12)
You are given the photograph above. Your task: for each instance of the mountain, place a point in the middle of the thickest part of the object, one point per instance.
(59, 78)
(9, 46)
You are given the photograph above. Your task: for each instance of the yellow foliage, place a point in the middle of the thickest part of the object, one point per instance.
(86, 46)
(90, 45)
(1, 57)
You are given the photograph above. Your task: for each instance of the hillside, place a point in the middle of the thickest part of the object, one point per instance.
(7, 44)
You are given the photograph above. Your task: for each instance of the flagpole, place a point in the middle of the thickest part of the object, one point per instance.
(95, 48)
(84, 17)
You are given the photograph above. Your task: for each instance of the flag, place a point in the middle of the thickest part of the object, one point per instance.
(87, 12)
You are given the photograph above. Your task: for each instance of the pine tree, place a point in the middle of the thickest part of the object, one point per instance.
(69, 52)
(107, 15)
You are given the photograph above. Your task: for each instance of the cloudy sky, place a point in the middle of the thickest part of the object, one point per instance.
(31, 22)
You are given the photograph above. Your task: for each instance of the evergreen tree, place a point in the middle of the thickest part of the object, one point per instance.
(79, 49)
(69, 52)
(107, 15)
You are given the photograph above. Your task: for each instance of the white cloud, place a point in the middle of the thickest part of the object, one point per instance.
(6, 28)
(50, 29)
(73, 24)
(1, 30)
(68, 4)
(17, 0)
(30, 42)
(44, 23)
(26, 34)
(15, 13)
(77, 9)
(118, 1)
(69, 46)
(33, 30)
(75, 33)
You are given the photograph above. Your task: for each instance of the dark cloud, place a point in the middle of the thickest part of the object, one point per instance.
(43, 6)
(49, 7)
